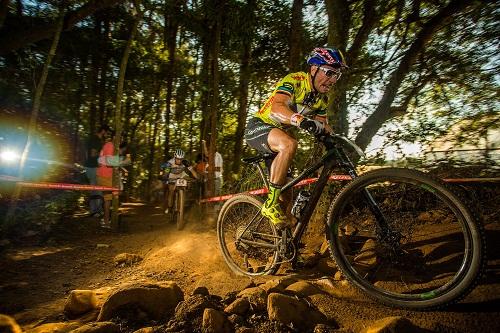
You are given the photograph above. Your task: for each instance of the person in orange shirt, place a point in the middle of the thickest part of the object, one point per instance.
(107, 162)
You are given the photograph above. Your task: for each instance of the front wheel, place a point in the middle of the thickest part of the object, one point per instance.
(406, 239)
(249, 241)
(179, 209)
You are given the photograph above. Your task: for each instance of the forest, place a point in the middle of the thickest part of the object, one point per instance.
(168, 74)
(421, 91)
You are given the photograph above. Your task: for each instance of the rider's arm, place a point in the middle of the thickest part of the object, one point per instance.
(115, 160)
(324, 120)
(280, 110)
(190, 170)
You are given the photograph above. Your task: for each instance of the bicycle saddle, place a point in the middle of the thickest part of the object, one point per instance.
(258, 158)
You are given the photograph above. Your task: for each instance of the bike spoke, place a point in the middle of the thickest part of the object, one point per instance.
(420, 254)
(248, 241)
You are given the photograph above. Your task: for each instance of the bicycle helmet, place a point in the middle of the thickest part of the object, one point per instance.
(326, 56)
(179, 153)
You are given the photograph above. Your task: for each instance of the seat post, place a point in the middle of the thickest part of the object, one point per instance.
(262, 174)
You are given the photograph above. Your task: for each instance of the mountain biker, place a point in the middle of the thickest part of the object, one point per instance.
(298, 100)
(177, 167)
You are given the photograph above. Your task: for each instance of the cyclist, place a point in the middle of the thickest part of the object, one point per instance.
(298, 100)
(176, 167)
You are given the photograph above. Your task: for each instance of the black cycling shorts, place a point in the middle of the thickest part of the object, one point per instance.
(256, 135)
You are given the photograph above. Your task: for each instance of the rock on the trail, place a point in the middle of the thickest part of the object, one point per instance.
(327, 266)
(145, 330)
(256, 296)
(127, 259)
(101, 327)
(302, 289)
(277, 285)
(157, 300)
(194, 306)
(201, 291)
(54, 328)
(293, 311)
(367, 257)
(80, 302)
(240, 306)
(393, 325)
(9, 325)
(214, 322)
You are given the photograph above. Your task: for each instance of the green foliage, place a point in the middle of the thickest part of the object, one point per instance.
(38, 212)
(455, 77)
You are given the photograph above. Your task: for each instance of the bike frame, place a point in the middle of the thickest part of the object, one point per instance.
(335, 156)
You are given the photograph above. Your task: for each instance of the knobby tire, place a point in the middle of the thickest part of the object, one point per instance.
(235, 215)
(441, 254)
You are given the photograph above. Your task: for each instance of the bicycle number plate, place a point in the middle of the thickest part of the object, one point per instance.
(181, 182)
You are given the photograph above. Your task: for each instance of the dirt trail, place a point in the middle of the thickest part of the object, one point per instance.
(35, 280)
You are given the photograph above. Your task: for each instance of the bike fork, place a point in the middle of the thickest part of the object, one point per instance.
(386, 234)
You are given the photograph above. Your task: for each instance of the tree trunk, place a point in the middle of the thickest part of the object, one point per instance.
(34, 116)
(152, 145)
(94, 76)
(245, 70)
(383, 111)
(294, 60)
(204, 103)
(4, 9)
(214, 50)
(104, 61)
(118, 103)
(339, 17)
(171, 14)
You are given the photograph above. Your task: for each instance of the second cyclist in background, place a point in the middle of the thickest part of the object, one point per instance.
(176, 167)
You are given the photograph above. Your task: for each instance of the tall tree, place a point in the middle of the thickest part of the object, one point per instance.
(172, 12)
(384, 110)
(37, 100)
(215, 28)
(118, 103)
(296, 31)
(4, 9)
(248, 31)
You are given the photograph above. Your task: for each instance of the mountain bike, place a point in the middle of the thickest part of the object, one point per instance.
(176, 214)
(403, 237)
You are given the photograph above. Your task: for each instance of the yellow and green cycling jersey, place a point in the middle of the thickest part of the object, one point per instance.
(302, 98)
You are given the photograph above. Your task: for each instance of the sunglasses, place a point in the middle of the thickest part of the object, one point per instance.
(331, 73)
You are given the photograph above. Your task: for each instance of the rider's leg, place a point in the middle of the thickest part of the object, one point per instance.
(170, 199)
(286, 146)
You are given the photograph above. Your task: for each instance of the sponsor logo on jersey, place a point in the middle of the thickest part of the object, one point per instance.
(299, 77)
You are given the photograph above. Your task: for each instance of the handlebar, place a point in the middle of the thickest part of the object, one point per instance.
(332, 140)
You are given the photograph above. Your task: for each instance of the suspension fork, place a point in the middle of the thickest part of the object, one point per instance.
(383, 227)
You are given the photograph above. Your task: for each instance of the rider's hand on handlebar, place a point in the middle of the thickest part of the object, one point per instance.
(314, 127)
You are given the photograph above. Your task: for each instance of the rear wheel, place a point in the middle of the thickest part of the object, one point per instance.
(249, 241)
(430, 255)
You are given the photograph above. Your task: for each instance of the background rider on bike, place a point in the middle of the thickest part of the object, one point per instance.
(177, 167)
(299, 100)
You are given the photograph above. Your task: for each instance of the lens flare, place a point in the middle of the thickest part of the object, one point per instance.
(9, 156)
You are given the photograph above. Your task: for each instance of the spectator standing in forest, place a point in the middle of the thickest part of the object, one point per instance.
(201, 168)
(299, 100)
(94, 146)
(219, 169)
(107, 162)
